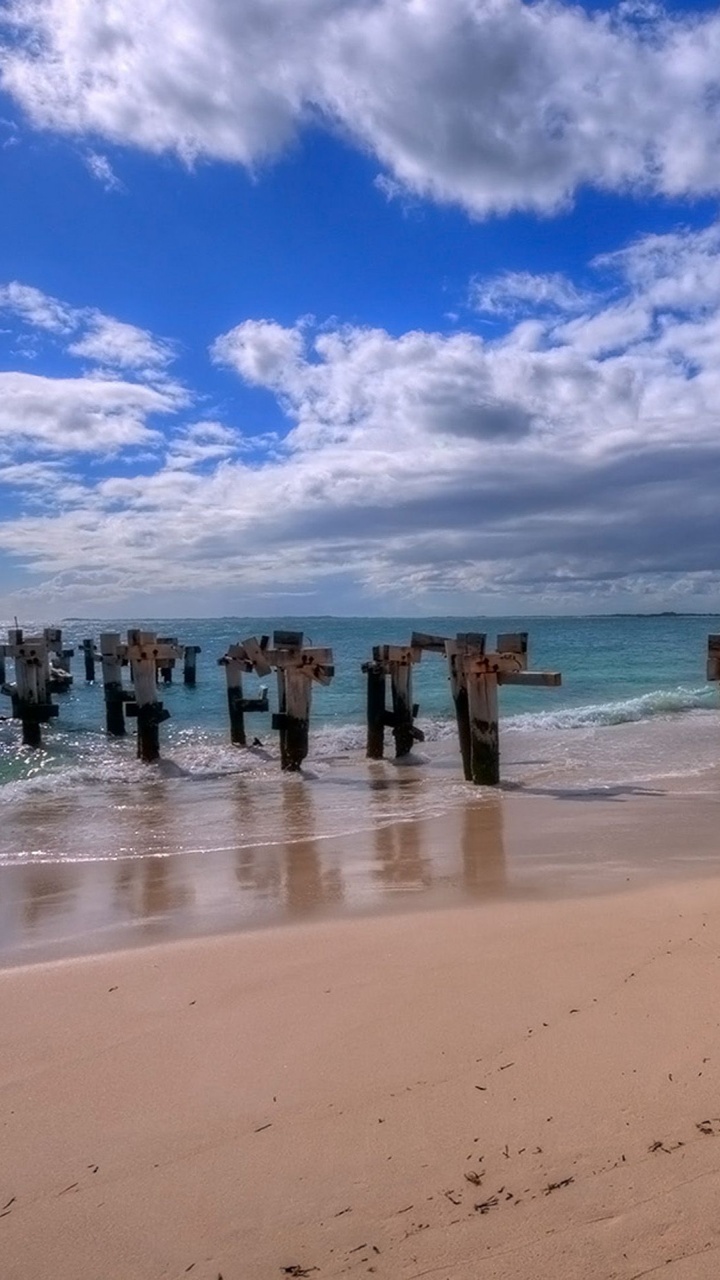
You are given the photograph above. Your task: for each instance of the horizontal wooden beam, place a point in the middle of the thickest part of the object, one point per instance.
(405, 654)
(551, 678)
(288, 639)
(492, 664)
(422, 640)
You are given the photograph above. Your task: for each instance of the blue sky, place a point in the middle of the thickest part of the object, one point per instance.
(385, 306)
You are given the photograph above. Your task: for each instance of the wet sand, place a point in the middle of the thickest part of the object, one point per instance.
(513, 844)
(522, 1090)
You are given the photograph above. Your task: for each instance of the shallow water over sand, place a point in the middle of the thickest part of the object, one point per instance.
(513, 843)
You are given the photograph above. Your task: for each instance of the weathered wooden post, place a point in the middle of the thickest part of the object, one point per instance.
(190, 653)
(376, 680)
(396, 662)
(482, 707)
(146, 654)
(113, 656)
(166, 665)
(296, 668)
(3, 651)
(713, 658)
(236, 661)
(90, 657)
(482, 672)
(30, 694)
(61, 657)
(458, 683)
(403, 710)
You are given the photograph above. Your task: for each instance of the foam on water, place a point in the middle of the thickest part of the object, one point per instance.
(660, 702)
(632, 709)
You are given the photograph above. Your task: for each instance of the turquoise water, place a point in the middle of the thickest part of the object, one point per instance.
(634, 705)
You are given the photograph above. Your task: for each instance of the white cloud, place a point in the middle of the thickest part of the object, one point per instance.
(575, 455)
(513, 292)
(529, 101)
(37, 309)
(112, 343)
(99, 338)
(101, 169)
(65, 415)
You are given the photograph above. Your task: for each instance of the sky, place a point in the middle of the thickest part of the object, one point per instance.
(397, 307)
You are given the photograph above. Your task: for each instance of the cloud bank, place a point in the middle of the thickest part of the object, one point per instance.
(574, 457)
(489, 104)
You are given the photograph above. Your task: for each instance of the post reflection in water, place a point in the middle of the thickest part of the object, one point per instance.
(483, 848)
(398, 841)
(257, 867)
(47, 890)
(148, 886)
(307, 884)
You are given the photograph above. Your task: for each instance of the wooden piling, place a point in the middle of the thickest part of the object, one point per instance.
(293, 713)
(190, 653)
(59, 656)
(482, 700)
(3, 674)
(481, 673)
(146, 654)
(89, 656)
(402, 707)
(233, 675)
(111, 658)
(236, 661)
(713, 658)
(166, 665)
(295, 738)
(30, 694)
(376, 681)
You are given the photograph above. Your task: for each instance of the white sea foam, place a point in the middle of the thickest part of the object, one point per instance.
(648, 706)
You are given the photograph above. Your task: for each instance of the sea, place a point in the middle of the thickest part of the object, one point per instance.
(634, 713)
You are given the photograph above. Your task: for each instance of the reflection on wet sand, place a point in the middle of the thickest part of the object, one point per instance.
(46, 889)
(147, 887)
(482, 845)
(260, 855)
(308, 885)
(398, 844)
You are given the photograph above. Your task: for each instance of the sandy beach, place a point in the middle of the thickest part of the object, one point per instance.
(523, 1089)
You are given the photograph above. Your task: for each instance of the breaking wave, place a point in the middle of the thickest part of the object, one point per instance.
(661, 702)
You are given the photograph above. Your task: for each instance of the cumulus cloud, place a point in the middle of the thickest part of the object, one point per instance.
(528, 101)
(107, 410)
(64, 415)
(575, 454)
(36, 309)
(514, 292)
(97, 337)
(101, 169)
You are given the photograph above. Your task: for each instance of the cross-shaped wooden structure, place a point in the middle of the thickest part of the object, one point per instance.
(394, 662)
(30, 694)
(474, 678)
(297, 665)
(237, 661)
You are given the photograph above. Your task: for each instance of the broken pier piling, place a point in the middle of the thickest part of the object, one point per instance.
(475, 675)
(296, 665)
(113, 657)
(30, 692)
(391, 663)
(147, 654)
(240, 659)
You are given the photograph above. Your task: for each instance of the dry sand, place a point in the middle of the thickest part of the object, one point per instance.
(525, 1090)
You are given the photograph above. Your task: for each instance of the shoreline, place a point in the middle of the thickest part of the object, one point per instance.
(508, 845)
(516, 1091)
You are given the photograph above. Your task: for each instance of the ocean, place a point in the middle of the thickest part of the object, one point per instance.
(633, 713)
